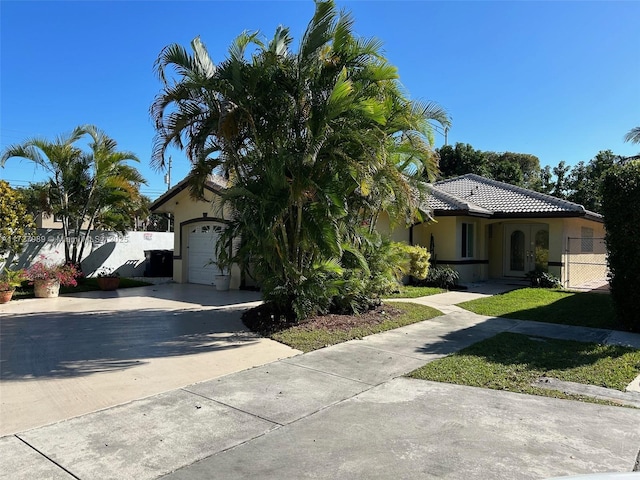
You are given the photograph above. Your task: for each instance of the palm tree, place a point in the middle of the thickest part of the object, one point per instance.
(311, 141)
(633, 135)
(58, 158)
(86, 189)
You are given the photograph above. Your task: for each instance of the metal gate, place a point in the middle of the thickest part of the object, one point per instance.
(586, 266)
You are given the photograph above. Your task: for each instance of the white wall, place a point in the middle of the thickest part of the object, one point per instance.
(122, 253)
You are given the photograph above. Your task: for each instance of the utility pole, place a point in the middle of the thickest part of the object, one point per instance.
(446, 137)
(167, 180)
(167, 176)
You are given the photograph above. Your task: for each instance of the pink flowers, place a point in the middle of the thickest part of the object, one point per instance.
(63, 273)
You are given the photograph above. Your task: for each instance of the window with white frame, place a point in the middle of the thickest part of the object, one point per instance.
(467, 240)
(587, 240)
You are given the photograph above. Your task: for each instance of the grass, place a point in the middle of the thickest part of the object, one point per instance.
(307, 339)
(511, 361)
(408, 291)
(550, 305)
(87, 285)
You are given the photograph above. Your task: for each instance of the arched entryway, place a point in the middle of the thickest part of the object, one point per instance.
(526, 248)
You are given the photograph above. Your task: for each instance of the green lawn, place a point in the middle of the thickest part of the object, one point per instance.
(87, 285)
(549, 305)
(511, 361)
(408, 291)
(308, 337)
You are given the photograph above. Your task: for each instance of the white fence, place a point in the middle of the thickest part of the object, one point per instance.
(124, 254)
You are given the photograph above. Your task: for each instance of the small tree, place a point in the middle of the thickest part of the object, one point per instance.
(620, 200)
(14, 220)
(86, 189)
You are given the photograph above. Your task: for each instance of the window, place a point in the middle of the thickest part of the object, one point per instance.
(467, 240)
(587, 240)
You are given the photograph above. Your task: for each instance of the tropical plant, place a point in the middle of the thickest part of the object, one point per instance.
(633, 135)
(10, 279)
(65, 273)
(15, 222)
(440, 276)
(85, 189)
(418, 261)
(541, 279)
(314, 143)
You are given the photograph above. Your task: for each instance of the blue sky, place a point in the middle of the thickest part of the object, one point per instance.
(560, 80)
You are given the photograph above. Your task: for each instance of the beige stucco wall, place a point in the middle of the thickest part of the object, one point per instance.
(397, 233)
(187, 213)
(490, 245)
(447, 236)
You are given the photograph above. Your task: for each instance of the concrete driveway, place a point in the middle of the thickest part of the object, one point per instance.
(68, 356)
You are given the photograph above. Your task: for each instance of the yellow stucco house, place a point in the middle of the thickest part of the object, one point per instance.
(482, 228)
(487, 229)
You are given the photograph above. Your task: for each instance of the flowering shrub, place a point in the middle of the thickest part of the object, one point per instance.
(41, 270)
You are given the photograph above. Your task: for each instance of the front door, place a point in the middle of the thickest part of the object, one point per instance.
(526, 248)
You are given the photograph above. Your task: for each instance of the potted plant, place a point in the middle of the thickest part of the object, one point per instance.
(108, 279)
(47, 278)
(9, 280)
(223, 262)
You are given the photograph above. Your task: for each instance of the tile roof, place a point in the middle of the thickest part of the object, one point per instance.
(486, 197)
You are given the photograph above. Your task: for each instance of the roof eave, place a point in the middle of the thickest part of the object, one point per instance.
(182, 185)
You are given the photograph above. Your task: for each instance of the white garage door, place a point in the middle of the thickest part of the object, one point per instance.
(202, 241)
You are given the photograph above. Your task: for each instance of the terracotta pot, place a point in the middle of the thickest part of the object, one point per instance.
(5, 296)
(108, 283)
(46, 288)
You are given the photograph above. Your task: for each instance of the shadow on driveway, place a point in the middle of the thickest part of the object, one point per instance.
(72, 344)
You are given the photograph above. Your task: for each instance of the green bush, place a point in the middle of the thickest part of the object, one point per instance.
(621, 210)
(442, 277)
(540, 279)
(418, 261)
(371, 266)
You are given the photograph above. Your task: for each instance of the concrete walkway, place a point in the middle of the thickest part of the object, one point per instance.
(343, 412)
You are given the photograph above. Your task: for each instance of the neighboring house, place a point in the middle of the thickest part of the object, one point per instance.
(487, 229)
(483, 228)
(45, 220)
(197, 225)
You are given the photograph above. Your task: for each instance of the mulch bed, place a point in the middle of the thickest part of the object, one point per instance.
(264, 321)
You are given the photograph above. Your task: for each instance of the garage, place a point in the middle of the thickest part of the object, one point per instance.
(202, 241)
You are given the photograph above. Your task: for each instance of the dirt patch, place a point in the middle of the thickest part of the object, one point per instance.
(264, 320)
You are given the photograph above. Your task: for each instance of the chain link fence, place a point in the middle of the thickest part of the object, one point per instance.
(586, 267)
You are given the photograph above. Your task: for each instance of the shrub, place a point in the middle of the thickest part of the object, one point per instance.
(540, 279)
(620, 201)
(418, 261)
(442, 277)
(10, 279)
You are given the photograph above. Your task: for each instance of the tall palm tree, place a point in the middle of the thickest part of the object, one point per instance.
(85, 188)
(60, 159)
(311, 142)
(112, 189)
